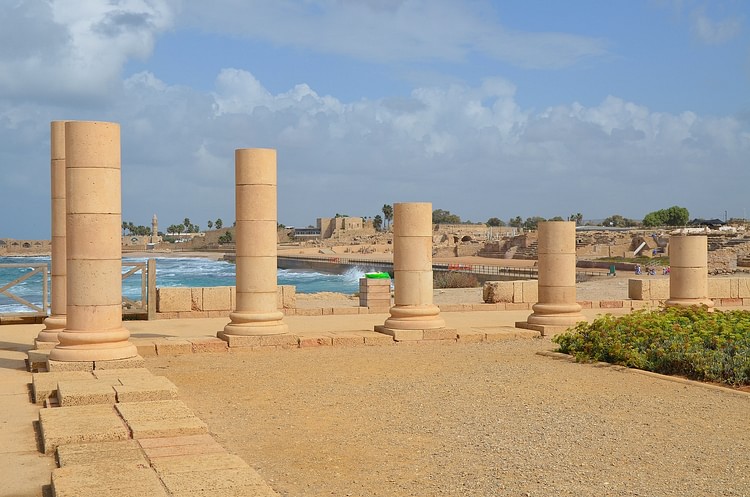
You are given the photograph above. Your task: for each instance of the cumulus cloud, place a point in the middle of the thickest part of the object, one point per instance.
(65, 49)
(392, 31)
(470, 149)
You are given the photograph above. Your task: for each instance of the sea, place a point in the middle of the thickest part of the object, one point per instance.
(172, 272)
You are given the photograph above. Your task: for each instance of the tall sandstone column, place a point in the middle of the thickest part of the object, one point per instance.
(688, 273)
(256, 312)
(94, 330)
(556, 308)
(413, 311)
(47, 338)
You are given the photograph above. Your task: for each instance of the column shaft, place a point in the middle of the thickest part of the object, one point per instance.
(688, 274)
(412, 269)
(256, 311)
(556, 252)
(57, 319)
(94, 330)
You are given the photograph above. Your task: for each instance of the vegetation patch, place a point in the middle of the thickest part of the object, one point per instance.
(690, 342)
(454, 279)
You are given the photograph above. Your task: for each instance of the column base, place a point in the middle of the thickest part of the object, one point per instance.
(413, 335)
(93, 352)
(414, 317)
(99, 364)
(690, 303)
(47, 338)
(253, 329)
(546, 330)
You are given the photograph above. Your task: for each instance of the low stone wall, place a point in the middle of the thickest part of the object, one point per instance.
(518, 291)
(718, 288)
(219, 301)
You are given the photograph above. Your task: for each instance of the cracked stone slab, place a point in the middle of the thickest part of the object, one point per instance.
(160, 418)
(196, 462)
(123, 451)
(216, 480)
(142, 389)
(123, 481)
(78, 424)
(84, 392)
(44, 385)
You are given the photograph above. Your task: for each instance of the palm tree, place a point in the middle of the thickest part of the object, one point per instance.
(388, 214)
(210, 224)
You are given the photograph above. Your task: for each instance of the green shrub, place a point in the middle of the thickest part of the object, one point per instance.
(454, 279)
(687, 341)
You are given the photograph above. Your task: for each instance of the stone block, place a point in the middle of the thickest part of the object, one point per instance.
(309, 312)
(61, 366)
(378, 339)
(94, 452)
(497, 291)
(129, 363)
(284, 339)
(500, 333)
(120, 481)
(166, 347)
(216, 299)
(288, 296)
(610, 304)
(379, 308)
(220, 481)
(639, 289)
(342, 311)
(470, 336)
(37, 359)
(80, 424)
(118, 374)
(161, 418)
(167, 315)
(145, 346)
(719, 288)
(347, 340)
(239, 340)
(517, 306)
(196, 299)
(327, 311)
(439, 334)
(530, 291)
(173, 299)
(730, 302)
(743, 288)
(585, 304)
(44, 385)
(207, 345)
(734, 288)
(659, 289)
(218, 314)
(401, 335)
(137, 389)
(518, 295)
(315, 341)
(84, 392)
(484, 307)
(182, 464)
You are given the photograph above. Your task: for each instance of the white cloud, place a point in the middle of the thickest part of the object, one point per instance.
(396, 30)
(715, 32)
(65, 49)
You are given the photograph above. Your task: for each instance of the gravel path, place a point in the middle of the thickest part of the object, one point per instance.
(488, 419)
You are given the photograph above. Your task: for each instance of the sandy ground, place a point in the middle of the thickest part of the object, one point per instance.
(488, 419)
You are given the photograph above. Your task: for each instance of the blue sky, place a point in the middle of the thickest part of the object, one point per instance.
(485, 108)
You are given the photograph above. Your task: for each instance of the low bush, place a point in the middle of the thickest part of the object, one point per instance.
(686, 341)
(454, 279)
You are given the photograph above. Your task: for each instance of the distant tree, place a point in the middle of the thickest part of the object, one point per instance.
(219, 223)
(195, 228)
(341, 215)
(188, 225)
(226, 237)
(618, 221)
(210, 224)
(532, 223)
(578, 218)
(516, 222)
(440, 216)
(180, 228)
(377, 222)
(673, 216)
(558, 218)
(494, 221)
(387, 214)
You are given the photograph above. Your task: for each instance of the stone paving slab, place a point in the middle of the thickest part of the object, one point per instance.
(138, 389)
(180, 446)
(196, 462)
(492, 334)
(215, 480)
(125, 481)
(118, 374)
(37, 359)
(84, 392)
(122, 451)
(44, 385)
(77, 424)
(160, 419)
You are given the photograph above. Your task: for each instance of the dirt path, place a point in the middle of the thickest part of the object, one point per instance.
(490, 419)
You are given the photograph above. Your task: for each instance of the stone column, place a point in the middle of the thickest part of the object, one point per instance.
(94, 330)
(688, 273)
(556, 309)
(154, 229)
(47, 338)
(256, 312)
(413, 311)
